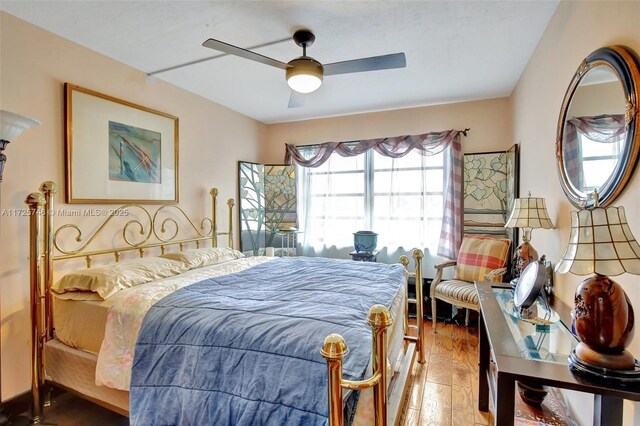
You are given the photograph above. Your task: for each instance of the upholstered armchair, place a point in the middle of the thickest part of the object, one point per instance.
(479, 259)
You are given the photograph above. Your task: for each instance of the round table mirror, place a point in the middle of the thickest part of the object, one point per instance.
(597, 141)
(529, 285)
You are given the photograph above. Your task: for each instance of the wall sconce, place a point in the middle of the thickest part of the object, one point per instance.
(11, 127)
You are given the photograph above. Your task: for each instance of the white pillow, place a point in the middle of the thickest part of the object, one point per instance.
(197, 258)
(105, 281)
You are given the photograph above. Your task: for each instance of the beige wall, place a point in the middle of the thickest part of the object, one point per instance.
(34, 66)
(577, 29)
(597, 99)
(489, 120)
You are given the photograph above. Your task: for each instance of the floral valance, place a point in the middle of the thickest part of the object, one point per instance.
(601, 128)
(395, 147)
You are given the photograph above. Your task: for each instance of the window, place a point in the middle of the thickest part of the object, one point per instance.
(401, 199)
(335, 201)
(598, 161)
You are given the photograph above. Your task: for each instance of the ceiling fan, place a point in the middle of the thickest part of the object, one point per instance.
(305, 74)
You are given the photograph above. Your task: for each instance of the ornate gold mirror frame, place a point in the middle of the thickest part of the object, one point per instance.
(621, 60)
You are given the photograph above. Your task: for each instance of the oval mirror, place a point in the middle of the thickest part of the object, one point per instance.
(598, 130)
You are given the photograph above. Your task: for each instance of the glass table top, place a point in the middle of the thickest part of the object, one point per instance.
(538, 331)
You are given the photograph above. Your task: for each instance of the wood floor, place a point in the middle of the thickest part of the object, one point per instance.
(444, 391)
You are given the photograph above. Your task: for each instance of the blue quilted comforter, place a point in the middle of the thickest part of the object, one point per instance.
(244, 349)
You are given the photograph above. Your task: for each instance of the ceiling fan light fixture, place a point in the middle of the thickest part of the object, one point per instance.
(304, 74)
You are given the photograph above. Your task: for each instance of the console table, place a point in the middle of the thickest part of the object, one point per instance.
(514, 350)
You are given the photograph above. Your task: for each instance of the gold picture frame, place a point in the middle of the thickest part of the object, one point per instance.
(118, 152)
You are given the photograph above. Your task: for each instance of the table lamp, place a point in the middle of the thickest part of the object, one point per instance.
(528, 213)
(11, 126)
(601, 243)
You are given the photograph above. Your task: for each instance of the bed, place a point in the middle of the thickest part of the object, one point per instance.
(74, 341)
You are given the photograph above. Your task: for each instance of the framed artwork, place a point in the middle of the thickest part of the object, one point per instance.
(117, 151)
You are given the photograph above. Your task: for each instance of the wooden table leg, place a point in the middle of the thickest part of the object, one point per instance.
(505, 400)
(483, 385)
(607, 411)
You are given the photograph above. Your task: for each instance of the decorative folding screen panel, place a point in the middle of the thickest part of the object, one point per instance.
(267, 199)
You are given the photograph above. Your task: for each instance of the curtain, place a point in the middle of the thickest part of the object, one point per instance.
(329, 221)
(453, 219)
(408, 202)
(601, 128)
(396, 147)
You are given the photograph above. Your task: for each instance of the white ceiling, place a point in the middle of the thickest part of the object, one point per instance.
(456, 50)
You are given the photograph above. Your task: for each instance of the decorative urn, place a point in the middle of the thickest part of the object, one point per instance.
(365, 241)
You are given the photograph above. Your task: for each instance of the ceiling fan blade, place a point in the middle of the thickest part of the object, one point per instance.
(296, 100)
(374, 63)
(243, 53)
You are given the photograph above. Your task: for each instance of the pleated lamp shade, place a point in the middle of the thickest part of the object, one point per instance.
(601, 242)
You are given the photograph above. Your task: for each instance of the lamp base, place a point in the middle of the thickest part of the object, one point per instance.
(577, 366)
(525, 254)
(604, 323)
(620, 361)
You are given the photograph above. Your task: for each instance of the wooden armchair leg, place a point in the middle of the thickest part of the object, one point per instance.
(433, 313)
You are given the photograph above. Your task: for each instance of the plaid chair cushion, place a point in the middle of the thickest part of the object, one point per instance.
(479, 256)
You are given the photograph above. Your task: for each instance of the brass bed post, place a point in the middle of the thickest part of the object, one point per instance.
(420, 339)
(214, 226)
(230, 203)
(379, 320)
(36, 201)
(417, 256)
(49, 189)
(335, 348)
(404, 260)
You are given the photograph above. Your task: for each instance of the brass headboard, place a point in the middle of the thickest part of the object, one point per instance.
(156, 229)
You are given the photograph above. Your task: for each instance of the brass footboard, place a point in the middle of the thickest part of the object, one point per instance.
(335, 348)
